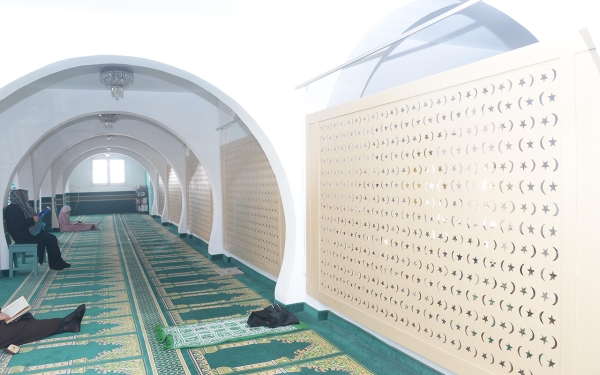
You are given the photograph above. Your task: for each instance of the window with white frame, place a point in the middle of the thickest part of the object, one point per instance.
(108, 171)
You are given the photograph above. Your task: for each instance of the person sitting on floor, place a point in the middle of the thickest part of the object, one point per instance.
(65, 224)
(24, 226)
(27, 329)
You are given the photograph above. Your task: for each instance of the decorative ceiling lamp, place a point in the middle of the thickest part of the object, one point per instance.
(118, 79)
(107, 153)
(110, 137)
(109, 119)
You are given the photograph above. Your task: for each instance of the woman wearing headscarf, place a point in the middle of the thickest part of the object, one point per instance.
(65, 224)
(24, 226)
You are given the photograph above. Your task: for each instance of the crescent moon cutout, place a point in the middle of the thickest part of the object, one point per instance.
(534, 209)
(541, 317)
(493, 88)
(555, 249)
(510, 87)
(519, 350)
(499, 107)
(513, 291)
(533, 161)
(532, 297)
(555, 205)
(475, 93)
(542, 143)
(521, 269)
(511, 125)
(521, 186)
(532, 334)
(532, 122)
(555, 168)
(511, 367)
(532, 79)
(542, 187)
(541, 96)
(555, 343)
(512, 328)
(534, 251)
(554, 72)
(542, 230)
(520, 147)
(540, 358)
(556, 299)
(555, 119)
(520, 107)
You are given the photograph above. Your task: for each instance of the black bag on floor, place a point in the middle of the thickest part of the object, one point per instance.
(272, 316)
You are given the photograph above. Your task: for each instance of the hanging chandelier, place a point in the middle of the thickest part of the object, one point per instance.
(118, 79)
(109, 119)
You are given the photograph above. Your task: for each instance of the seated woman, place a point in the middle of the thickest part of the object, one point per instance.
(24, 226)
(65, 224)
(28, 329)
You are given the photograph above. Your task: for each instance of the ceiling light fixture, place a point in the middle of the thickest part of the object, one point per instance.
(118, 79)
(107, 153)
(110, 137)
(109, 119)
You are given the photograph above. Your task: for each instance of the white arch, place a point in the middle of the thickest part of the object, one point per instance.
(59, 168)
(150, 168)
(202, 140)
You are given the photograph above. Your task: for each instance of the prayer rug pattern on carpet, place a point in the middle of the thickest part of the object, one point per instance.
(215, 332)
(135, 275)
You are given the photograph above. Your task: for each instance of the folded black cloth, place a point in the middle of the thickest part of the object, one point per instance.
(272, 316)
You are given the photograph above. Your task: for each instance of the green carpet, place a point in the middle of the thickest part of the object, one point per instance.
(136, 275)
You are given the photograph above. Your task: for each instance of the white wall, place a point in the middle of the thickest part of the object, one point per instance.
(80, 180)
